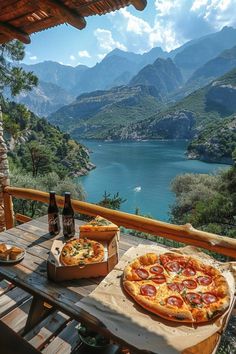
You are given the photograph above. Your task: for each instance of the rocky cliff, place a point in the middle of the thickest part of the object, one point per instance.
(174, 125)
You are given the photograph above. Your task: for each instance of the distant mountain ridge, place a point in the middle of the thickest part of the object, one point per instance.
(162, 74)
(45, 98)
(200, 51)
(214, 68)
(120, 68)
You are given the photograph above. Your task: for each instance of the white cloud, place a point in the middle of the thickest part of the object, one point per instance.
(72, 57)
(220, 13)
(106, 41)
(84, 54)
(135, 24)
(198, 4)
(165, 7)
(33, 57)
(175, 22)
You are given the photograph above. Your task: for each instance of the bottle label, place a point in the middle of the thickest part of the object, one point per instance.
(68, 221)
(68, 226)
(53, 220)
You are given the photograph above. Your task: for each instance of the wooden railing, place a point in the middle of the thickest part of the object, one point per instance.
(181, 233)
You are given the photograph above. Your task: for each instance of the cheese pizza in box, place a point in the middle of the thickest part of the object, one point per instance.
(100, 227)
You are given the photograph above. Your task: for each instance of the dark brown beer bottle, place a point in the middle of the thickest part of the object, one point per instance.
(68, 220)
(53, 215)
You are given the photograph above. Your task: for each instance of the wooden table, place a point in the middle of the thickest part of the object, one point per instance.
(31, 275)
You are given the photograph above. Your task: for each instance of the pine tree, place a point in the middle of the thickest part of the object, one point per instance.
(12, 76)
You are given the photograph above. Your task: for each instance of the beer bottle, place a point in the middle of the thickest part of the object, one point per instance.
(53, 215)
(68, 218)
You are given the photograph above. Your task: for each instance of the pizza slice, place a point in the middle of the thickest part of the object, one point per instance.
(98, 224)
(204, 289)
(146, 267)
(158, 299)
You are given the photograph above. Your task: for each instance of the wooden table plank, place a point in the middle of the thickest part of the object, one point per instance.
(12, 299)
(5, 286)
(47, 329)
(65, 342)
(16, 319)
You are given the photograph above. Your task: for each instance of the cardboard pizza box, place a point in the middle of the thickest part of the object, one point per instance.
(58, 272)
(100, 235)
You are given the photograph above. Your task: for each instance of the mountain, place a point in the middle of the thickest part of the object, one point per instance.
(207, 109)
(214, 68)
(162, 74)
(105, 74)
(45, 98)
(200, 51)
(92, 114)
(117, 68)
(120, 68)
(64, 76)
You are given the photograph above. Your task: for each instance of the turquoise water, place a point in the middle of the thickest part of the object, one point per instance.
(141, 172)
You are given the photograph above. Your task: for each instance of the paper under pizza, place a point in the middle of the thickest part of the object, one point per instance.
(177, 288)
(81, 252)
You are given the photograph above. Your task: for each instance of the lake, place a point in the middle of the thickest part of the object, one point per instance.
(141, 172)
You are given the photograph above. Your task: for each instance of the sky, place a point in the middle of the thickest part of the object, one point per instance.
(164, 23)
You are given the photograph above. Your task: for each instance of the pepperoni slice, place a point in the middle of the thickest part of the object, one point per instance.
(193, 298)
(188, 272)
(204, 280)
(173, 266)
(156, 270)
(159, 279)
(189, 283)
(148, 290)
(142, 273)
(175, 287)
(208, 298)
(175, 301)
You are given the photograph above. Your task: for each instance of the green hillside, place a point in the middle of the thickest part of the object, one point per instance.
(38, 147)
(92, 115)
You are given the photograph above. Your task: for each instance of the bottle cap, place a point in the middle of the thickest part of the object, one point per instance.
(67, 193)
(52, 192)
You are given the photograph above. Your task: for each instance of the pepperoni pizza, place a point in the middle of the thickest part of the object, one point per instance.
(178, 288)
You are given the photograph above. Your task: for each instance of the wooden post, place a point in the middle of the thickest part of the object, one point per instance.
(4, 173)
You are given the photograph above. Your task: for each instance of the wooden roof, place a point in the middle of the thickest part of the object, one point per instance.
(20, 18)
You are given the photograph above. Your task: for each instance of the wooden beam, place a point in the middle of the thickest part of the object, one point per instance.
(8, 210)
(139, 4)
(181, 233)
(22, 218)
(61, 11)
(12, 32)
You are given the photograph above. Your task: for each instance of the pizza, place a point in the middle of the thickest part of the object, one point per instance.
(177, 288)
(99, 224)
(81, 252)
